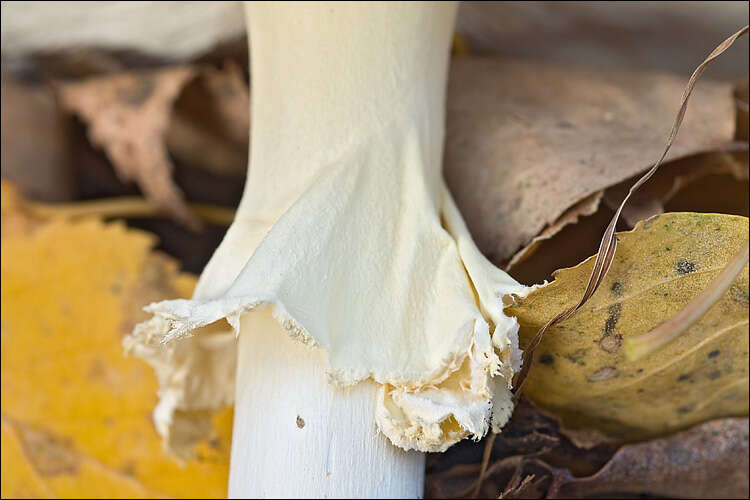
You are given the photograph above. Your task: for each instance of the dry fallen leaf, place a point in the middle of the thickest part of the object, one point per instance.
(584, 208)
(198, 114)
(529, 434)
(535, 460)
(209, 124)
(669, 180)
(610, 36)
(581, 373)
(742, 99)
(709, 460)
(535, 139)
(723, 176)
(36, 153)
(76, 413)
(127, 116)
(709, 182)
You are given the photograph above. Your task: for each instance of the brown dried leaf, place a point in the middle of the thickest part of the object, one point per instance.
(708, 183)
(535, 139)
(451, 483)
(667, 183)
(664, 36)
(521, 488)
(741, 100)
(669, 180)
(227, 89)
(35, 143)
(707, 461)
(585, 207)
(127, 116)
(209, 125)
(530, 433)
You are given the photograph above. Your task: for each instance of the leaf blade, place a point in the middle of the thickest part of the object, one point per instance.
(582, 373)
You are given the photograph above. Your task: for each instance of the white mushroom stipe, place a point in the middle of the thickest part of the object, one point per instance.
(348, 237)
(339, 452)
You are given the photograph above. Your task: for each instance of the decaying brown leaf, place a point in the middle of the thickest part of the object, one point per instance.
(722, 188)
(707, 461)
(670, 179)
(709, 182)
(742, 99)
(585, 207)
(530, 434)
(535, 139)
(581, 373)
(535, 460)
(135, 119)
(650, 35)
(209, 124)
(127, 116)
(35, 141)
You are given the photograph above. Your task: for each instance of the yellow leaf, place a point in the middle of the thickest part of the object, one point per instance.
(580, 371)
(76, 413)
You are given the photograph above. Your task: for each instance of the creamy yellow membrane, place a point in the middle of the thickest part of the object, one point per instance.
(347, 232)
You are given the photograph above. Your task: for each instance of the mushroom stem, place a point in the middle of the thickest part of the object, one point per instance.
(327, 78)
(298, 436)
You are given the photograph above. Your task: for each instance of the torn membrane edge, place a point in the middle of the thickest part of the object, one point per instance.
(194, 356)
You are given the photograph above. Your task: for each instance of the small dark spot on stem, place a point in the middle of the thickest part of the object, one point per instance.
(683, 377)
(713, 353)
(616, 288)
(546, 359)
(684, 409)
